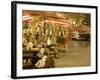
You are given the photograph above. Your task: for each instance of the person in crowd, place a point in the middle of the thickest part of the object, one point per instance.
(49, 61)
(29, 63)
(35, 59)
(41, 62)
(46, 60)
(25, 42)
(30, 46)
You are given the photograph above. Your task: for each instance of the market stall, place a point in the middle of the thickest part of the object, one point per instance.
(54, 34)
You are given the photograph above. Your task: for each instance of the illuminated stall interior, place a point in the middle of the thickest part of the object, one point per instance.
(46, 27)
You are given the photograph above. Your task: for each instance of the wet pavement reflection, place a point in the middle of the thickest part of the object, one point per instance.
(77, 54)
